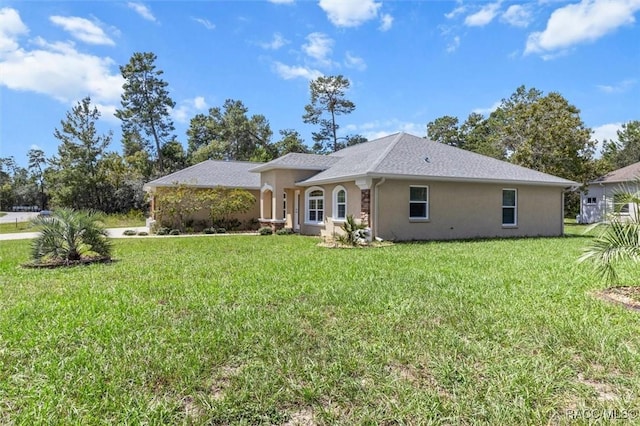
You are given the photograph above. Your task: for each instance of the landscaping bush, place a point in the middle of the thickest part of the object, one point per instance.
(284, 231)
(221, 231)
(163, 231)
(174, 232)
(70, 236)
(143, 233)
(354, 233)
(129, 232)
(209, 231)
(265, 230)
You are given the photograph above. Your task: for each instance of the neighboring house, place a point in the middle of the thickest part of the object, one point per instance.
(212, 174)
(409, 188)
(599, 201)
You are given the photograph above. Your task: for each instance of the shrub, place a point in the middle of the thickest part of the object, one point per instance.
(353, 233)
(174, 232)
(129, 232)
(209, 231)
(265, 230)
(284, 231)
(143, 233)
(70, 235)
(163, 231)
(221, 231)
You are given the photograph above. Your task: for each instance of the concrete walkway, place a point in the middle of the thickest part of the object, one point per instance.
(113, 233)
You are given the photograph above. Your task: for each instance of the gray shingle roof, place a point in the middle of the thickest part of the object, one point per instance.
(211, 173)
(295, 160)
(625, 174)
(405, 155)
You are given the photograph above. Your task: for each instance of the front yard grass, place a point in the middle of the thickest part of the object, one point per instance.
(269, 330)
(110, 221)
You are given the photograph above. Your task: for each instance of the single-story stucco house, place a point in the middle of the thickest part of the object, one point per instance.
(211, 174)
(600, 201)
(403, 187)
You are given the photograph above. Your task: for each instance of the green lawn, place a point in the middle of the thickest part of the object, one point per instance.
(110, 221)
(270, 330)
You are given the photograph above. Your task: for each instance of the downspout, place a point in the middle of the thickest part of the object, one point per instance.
(375, 207)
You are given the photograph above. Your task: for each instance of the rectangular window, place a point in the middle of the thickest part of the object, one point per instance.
(591, 200)
(509, 207)
(418, 202)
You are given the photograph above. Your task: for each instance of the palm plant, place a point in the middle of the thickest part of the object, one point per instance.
(70, 235)
(619, 240)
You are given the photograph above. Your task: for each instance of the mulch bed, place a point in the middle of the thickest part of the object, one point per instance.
(67, 263)
(627, 296)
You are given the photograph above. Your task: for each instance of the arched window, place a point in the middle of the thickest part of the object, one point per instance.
(339, 203)
(315, 205)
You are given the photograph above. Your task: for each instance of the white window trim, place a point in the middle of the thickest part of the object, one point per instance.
(335, 217)
(514, 207)
(306, 206)
(419, 218)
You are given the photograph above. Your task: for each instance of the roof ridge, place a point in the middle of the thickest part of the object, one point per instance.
(384, 154)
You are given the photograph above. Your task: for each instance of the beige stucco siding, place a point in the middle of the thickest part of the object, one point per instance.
(280, 181)
(330, 225)
(467, 210)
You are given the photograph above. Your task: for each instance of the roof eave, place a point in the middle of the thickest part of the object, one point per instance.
(148, 186)
(566, 184)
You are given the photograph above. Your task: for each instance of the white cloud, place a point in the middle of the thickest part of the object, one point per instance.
(290, 72)
(350, 13)
(205, 23)
(620, 87)
(386, 22)
(276, 42)
(142, 10)
(11, 27)
(188, 108)
(484, 16)
(379, 128)
(488, 110)
(82, 29)
(455, 12)
(605, 131)
(517, 16)
(454, 44)
(319, 47)
(582, 22)
(57, 70)
(355, 62)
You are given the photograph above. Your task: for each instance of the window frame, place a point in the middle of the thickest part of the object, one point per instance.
(591, 201)
(423, 202)
(307, 202)
(284, 205)
(514, 207)
(336, 204)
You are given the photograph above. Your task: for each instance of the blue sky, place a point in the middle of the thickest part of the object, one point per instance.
(409, 62)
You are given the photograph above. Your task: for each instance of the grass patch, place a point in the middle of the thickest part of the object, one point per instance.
(250, 330)
(10, 228)
(110, 221)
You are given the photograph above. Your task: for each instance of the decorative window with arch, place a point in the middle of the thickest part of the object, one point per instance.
(314, 200)
(339, 203)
